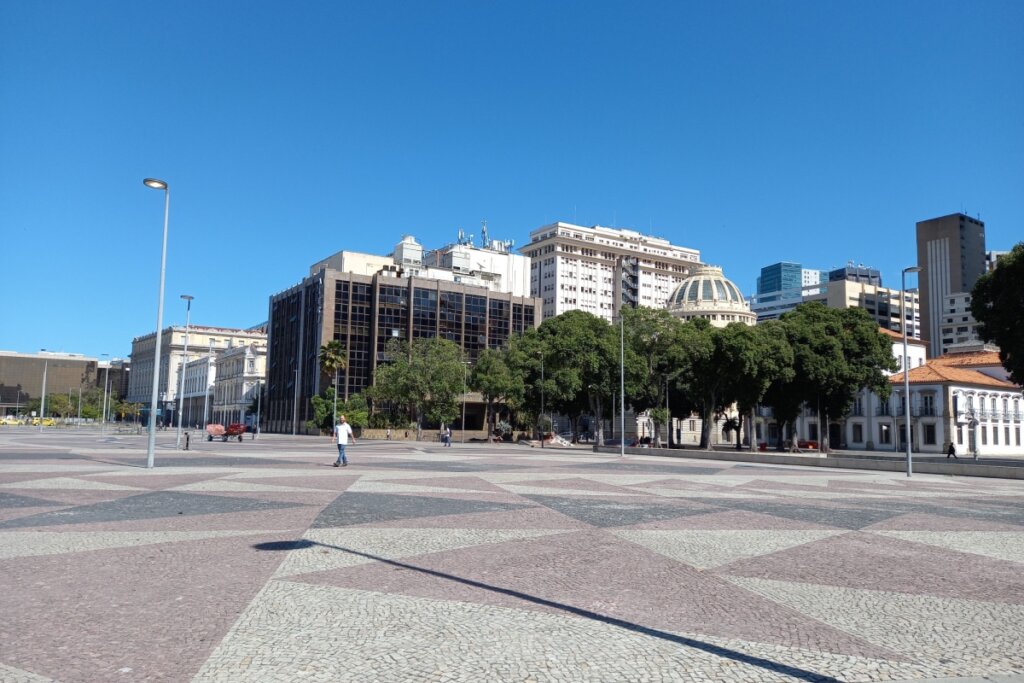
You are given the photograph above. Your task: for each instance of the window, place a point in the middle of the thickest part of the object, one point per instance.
(995, 435)
(929, 435)
(858, 433)
(883, 434)
(1006, 433)
(960, 436)
(693, 425)
(984, 435)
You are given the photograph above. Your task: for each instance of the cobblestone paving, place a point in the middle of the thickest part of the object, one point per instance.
(257, 561)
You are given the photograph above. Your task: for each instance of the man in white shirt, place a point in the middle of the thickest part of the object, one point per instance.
(342, 432)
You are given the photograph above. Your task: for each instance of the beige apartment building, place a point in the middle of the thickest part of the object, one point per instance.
(597, 269)
(881, 302)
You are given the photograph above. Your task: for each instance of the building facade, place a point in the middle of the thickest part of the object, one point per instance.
(21, 377)
(202, 340)
(364, 313)
(708, 294)
(239, 375)
(882, 303)
(951, 255)
(597, 269)
(781, 287)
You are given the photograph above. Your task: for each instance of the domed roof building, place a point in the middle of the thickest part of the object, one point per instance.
(708, 294)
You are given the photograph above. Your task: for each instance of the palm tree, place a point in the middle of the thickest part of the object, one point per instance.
(334, 357)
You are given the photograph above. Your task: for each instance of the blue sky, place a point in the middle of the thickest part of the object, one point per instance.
(756, 132)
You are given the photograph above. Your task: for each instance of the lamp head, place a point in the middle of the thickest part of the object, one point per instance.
(155, 184)
(187, 297)
(912, 269)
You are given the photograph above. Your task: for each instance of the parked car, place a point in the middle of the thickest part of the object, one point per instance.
(10, 420)
(803, 443)
(630, 443)
(45, 421)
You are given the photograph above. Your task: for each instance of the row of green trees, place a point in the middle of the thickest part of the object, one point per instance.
(60, 404)
(570, 365)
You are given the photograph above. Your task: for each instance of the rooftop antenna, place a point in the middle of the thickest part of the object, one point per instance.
(484, 242)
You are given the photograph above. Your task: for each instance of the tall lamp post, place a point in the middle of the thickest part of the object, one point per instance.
(151, 446)
(906, 360)
(206, 385)
(465, 372)
(259, 402)
(103, 407)
(540, 354)
(187, 298)
(42, 401)
(622, 382)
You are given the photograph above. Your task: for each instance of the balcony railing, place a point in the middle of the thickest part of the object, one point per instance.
(884, 411)
(925, 411)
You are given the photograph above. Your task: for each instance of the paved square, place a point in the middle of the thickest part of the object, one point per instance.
(258, 561)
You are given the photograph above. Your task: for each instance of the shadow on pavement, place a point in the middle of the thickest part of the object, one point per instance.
(586, 614)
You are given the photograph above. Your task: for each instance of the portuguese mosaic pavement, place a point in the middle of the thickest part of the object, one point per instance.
(260, 562)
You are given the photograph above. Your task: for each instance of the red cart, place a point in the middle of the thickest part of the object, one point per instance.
(224, 433)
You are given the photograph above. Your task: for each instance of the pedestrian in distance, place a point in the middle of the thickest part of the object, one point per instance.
(343, 434)
(389, 434)
(951, 453)
(447, 437)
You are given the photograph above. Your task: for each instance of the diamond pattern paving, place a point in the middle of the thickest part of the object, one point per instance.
(257, 561)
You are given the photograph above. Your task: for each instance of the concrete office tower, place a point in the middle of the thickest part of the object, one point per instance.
(951, 255)
(597, 269)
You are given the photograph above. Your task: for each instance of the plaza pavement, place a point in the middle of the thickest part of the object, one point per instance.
(258, 561)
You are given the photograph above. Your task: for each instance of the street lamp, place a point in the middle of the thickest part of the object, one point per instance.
(42, 401)
(540, 354)
(187, 298)
(622, 382)
(206, 385)
(151, 446)
(103, 408)
(259, 402)
(906, 359)
(465, 372)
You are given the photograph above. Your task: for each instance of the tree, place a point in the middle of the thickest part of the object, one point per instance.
(836, 353)
(997, 303)
(698, 348)
(495, 381)
(752, 358)
(333, 357)
(580, 353)
(425, 376)
(650, 334)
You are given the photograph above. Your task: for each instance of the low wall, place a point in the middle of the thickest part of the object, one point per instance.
(401, 434)
(959, 468)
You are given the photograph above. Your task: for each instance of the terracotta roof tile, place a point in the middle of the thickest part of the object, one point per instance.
(973, 359)
(897, 336)
(933, 372)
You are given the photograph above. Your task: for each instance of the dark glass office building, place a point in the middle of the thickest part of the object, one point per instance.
(21, 377)
(365, 312)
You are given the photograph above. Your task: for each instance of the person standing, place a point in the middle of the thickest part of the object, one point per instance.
(447, 436)
(342, 433)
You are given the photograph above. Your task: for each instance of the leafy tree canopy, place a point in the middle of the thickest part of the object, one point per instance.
(997, 303)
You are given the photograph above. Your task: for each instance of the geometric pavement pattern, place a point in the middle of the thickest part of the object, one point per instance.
(260, 562)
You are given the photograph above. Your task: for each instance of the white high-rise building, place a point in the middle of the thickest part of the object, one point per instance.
(594, 269)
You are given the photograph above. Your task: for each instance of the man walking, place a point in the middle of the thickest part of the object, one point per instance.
(342, 432)
(951, 453)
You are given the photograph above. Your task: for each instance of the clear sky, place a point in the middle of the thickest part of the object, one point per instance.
(817, 132)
